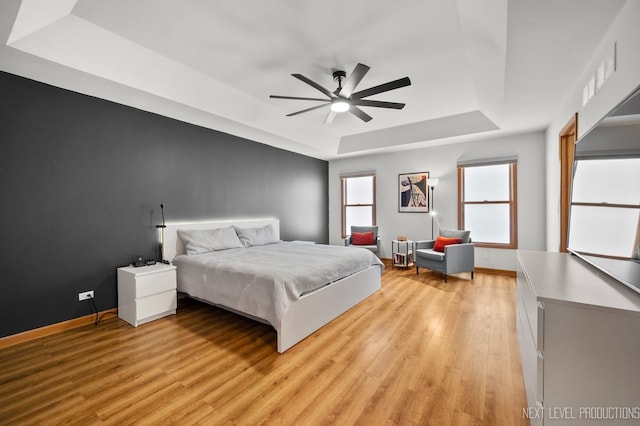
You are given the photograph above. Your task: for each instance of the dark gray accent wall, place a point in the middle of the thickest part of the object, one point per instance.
(82, 180)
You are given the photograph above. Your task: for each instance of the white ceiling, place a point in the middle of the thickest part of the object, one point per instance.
(478, 68)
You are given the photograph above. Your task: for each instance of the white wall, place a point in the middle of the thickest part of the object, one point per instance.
(538, 165)
(441, 162)
(625, 32)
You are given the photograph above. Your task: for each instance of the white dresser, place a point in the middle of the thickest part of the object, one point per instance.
(579, 335)
(146, 293)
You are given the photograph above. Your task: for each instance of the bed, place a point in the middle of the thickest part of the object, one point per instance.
(297, 287)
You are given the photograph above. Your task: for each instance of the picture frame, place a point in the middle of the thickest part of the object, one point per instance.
(413, 192)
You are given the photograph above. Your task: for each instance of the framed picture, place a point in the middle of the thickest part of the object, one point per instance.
(413, 193)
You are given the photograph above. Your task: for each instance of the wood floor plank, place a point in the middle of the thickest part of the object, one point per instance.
(418, 352)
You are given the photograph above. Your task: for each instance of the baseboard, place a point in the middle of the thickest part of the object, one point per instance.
(48, 330)
(496, 271)
(387, 263)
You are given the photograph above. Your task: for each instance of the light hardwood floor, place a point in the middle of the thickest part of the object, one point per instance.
(418, 352)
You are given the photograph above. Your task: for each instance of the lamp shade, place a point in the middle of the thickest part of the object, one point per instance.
(432, 182)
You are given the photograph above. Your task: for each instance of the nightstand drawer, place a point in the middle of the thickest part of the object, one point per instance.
(156, 305)
(149, 284)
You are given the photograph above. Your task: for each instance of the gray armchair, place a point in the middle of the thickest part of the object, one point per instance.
(456, 257)
(376, 238)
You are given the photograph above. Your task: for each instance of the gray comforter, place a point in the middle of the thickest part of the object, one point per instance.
(263, 281)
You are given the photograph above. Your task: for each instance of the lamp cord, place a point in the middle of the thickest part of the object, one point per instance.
(95, 308)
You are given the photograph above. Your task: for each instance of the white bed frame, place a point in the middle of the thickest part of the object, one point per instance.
(311, 311)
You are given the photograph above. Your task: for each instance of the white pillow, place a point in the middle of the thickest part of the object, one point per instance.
(257, 236)
(198, 241)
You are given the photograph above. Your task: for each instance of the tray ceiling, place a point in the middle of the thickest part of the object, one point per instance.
(478, 69)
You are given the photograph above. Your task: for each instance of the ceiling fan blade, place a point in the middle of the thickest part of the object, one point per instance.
(330, 117)
(379, 104)
(297, 98)
(354, 78)
(314, 85)
(308, 109)
(395, 84)
(359, 113)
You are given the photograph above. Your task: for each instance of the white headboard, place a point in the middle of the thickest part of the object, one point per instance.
(173, 244)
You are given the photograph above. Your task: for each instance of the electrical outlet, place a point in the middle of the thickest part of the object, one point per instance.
(85, 295)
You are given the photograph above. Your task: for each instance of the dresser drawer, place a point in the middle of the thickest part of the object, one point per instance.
(539, 377)
(531, 365)
(532, 308)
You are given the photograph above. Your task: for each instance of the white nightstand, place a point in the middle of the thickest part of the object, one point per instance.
(146, 293)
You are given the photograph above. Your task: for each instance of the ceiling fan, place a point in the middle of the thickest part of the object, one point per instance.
(344, 98)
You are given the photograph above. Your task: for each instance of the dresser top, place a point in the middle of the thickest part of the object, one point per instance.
(566, 278)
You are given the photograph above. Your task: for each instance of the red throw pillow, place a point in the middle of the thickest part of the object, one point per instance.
(444, 241)
(362, 238)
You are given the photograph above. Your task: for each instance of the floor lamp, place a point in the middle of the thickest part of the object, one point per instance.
(432, 182)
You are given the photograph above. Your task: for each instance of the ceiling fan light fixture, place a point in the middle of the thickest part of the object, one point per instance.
(339, 105)
(341, 99)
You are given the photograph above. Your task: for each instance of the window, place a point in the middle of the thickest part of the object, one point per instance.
(358, 201)
(487, 202)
